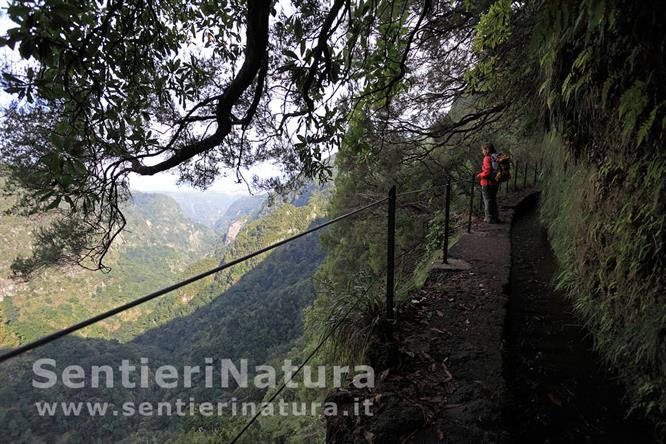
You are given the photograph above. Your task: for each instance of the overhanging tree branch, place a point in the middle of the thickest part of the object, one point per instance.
(256, 33)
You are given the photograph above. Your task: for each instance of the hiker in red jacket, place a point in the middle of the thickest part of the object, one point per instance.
(489, 185)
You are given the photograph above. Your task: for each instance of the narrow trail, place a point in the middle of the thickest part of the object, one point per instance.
(440, 377)
(558, 390)
(491, 354)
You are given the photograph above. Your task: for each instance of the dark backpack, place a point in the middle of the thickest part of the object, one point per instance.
(501, 164)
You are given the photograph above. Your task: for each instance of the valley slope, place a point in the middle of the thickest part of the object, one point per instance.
(253, 311)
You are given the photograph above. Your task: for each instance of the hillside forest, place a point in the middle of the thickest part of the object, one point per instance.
(346, 100)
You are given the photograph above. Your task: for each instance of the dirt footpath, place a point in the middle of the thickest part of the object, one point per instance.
(445, 383)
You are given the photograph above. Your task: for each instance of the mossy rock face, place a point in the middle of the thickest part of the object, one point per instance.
(607, 224)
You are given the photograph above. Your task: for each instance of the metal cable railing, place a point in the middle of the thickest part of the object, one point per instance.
(390, 267)
(390, 277)
(314, 351)
(60, 333)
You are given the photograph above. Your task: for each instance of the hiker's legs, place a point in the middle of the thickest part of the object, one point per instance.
(487, 204)
(494, 211)
(491, 212)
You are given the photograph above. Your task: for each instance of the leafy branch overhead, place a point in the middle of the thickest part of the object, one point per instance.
(116, 88)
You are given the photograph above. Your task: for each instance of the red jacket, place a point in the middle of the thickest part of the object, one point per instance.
(486, 170)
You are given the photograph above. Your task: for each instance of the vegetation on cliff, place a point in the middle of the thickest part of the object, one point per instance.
(405, 90)
(577, 85)
(595, 67)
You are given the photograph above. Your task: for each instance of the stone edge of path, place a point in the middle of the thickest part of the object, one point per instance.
(475, 395)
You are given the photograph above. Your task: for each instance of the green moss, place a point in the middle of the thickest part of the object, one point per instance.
(607, 226)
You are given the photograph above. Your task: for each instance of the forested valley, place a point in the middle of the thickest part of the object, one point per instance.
(346, 100)
(201, 321)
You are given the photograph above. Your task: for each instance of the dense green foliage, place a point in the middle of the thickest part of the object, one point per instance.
(578, 84)
(353, 275)
(611, 110)
(598, 125)
(109, 89)
(609, 247)
(597, 68)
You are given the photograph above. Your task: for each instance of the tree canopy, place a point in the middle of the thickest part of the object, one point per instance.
(111, 88)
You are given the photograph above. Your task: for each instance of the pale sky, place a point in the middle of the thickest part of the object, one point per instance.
(5, 53)
(167, 181)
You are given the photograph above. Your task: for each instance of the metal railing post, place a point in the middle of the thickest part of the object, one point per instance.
(447, 212)
(471, 205)
(525, 175)
(390, 254)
